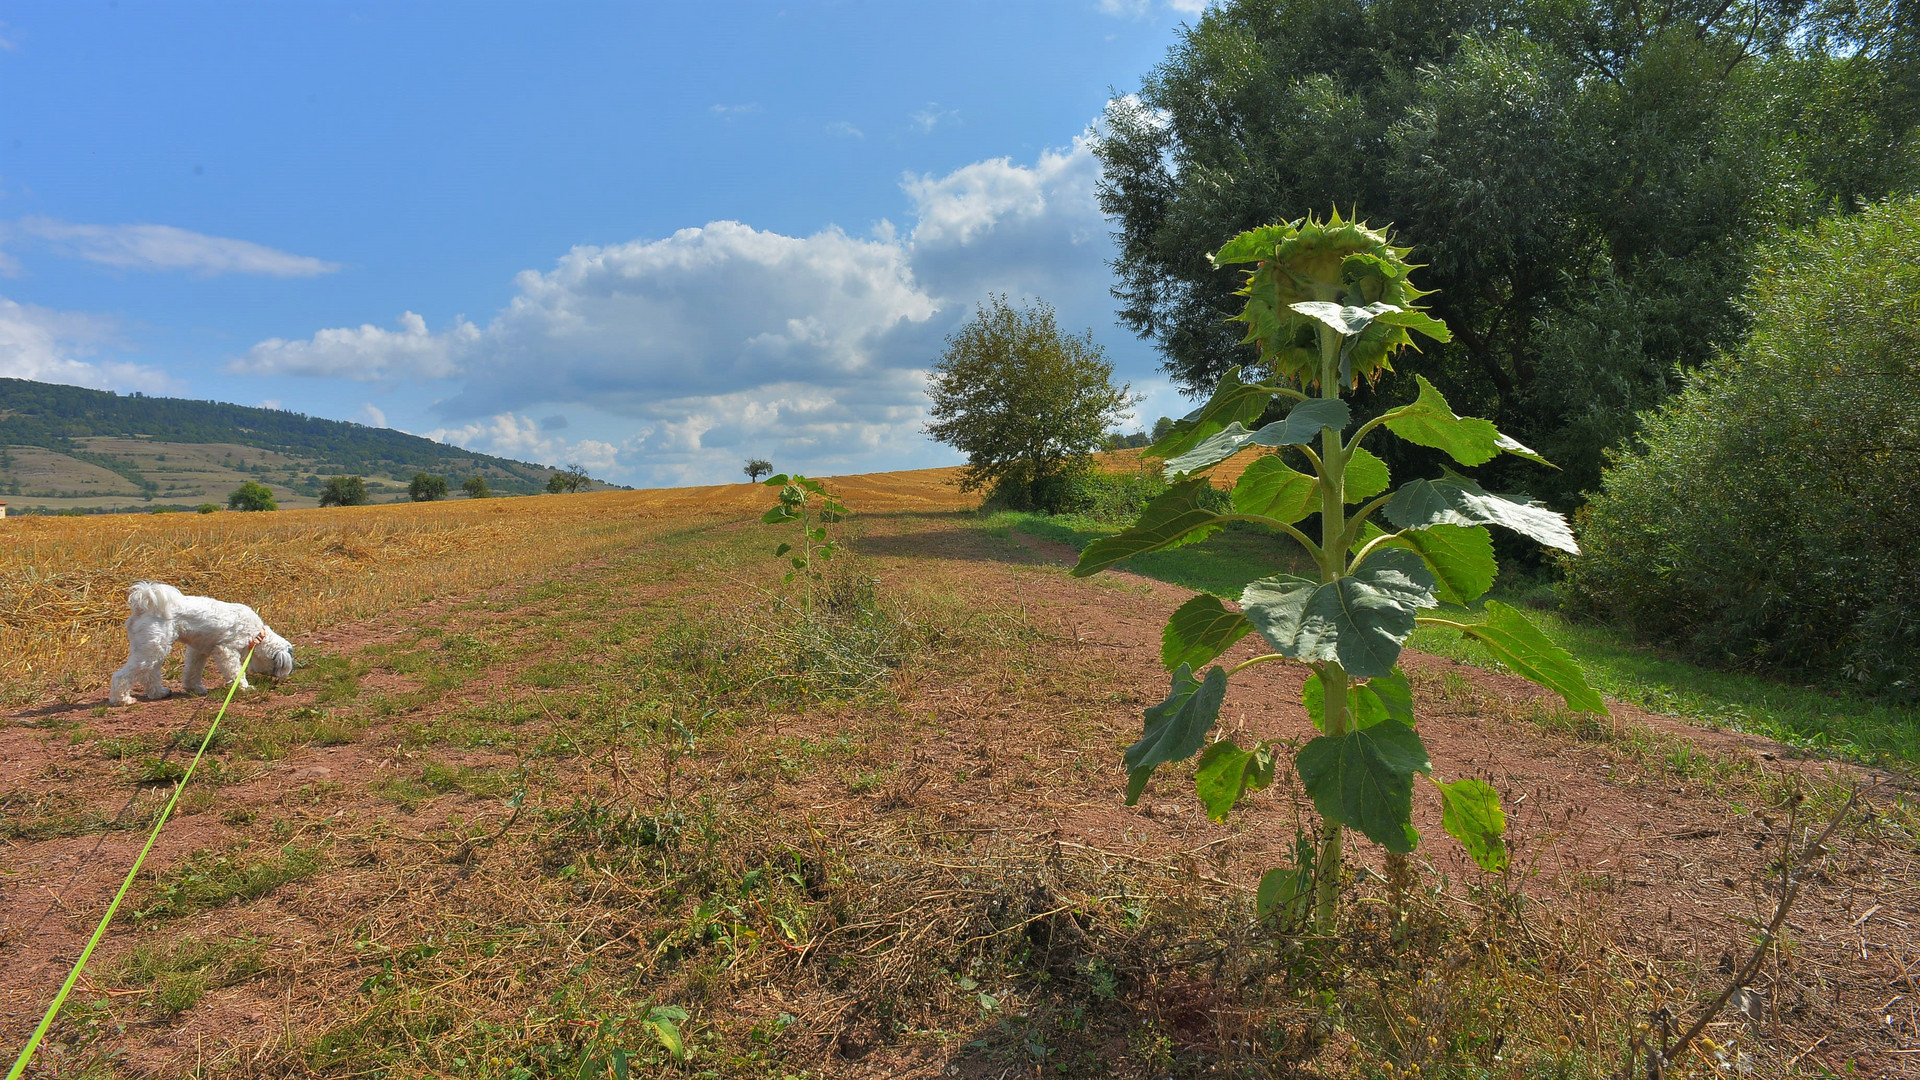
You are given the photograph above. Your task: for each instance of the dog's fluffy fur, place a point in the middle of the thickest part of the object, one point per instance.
(212, 630)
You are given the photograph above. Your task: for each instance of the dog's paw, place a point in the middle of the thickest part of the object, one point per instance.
(160, 694)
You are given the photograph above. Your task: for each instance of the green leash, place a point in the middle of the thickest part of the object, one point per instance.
(46, 1022)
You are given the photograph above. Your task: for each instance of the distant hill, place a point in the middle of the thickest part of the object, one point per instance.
(68, 448)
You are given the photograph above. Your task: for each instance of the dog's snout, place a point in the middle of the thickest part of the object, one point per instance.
(283, 665)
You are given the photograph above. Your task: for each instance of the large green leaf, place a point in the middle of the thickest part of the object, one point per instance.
(1226, 773)
(1301, 425)
(1303, 422)
(1520, 645)
(1360, 620)
(1429, 421)
(1343, 320)
(1455, 500)
(1175, 518)
(1286, 892)
(1199, 631)
(1518, 449)
(1470, 812)
(1270, 489)
(1233, 402)
(1177, 727)
(1389, 697)
(1211, 450)
(1367, 476)
(1364, 779)
(1415, 320)
(1460, 556)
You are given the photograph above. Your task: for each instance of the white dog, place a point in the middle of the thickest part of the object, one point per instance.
(212, 629)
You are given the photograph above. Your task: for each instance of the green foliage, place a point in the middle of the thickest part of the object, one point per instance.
(1350, 621)
(1200, 631)
(1585, 181)
(809, 507)
(476, 487)
(251, 495)
(425, 487)
(1767, 518)
(1024, 401)
(1364, 779)
(1176, 728)
(346, 491)
(757, 468)
(207, 508)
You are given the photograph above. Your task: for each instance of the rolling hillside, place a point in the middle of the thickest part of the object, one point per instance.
(68, 448)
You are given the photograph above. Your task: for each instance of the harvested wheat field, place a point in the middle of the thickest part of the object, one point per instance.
(576, 786)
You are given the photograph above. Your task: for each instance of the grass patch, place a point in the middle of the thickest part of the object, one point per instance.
(179, 972)
(1825, 721)
(336, 678)
(43, 813)
(273, 737)
(209, 879)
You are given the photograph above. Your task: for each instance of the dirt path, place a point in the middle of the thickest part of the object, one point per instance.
(1666, 833)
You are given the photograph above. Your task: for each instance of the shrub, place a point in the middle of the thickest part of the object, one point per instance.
(345, 491)
(1766, 519)
(425, 487)
(252, 495)
(476, 487)
(207, 508)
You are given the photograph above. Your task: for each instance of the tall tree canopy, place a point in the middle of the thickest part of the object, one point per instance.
(1024, 401)
(1584, 179)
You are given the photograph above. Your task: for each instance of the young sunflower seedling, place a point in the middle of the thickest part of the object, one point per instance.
(809, 504)
(1328, 303)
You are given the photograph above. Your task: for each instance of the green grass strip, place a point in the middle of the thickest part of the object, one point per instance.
(46, 1022)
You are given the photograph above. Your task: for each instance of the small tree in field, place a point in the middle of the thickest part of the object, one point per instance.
(757, 468)
(1328, 304)
(425, 487)
(252, 495)
(571, 479)
(476, 487)
(345, 491)
(1025, 402)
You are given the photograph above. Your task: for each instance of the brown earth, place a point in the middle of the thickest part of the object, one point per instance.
(1663, 834)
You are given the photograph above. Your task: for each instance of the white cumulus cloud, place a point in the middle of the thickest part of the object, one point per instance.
(54, 346)
(164, 247)
(365, 353)
(513, 436)
(676, 357)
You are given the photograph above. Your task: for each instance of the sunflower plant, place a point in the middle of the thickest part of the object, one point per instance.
(1329, 303)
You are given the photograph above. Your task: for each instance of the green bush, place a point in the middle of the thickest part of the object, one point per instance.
(425, 487)
(345, 491)
(476, 487)
(1767, 517)
(252, 495)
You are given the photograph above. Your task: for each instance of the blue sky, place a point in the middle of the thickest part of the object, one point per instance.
(652, 238)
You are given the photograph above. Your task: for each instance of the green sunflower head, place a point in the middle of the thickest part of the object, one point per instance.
(1328, 262)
